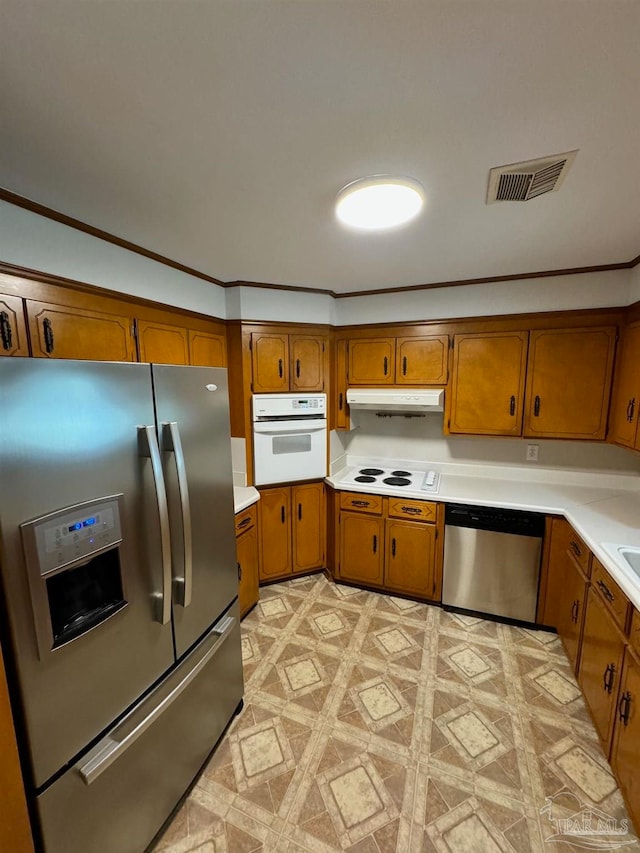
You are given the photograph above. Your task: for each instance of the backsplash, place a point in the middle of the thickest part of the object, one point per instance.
(422, 439)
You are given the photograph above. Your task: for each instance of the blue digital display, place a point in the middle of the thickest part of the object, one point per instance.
(89, 522)
(76, 526)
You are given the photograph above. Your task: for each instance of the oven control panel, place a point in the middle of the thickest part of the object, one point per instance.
(292, 406)
(69, 535)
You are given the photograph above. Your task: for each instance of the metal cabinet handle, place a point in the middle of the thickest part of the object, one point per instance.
(604, 589)
(340, 401)
(512, 405)
(282, 513)
(413, 510)
(359, 503)
(609, 677)
(574, 610)
(631, 406)
(404, 365)
(239, 572)
(393, 547)
(386, 365)
(148, 447)
(536, 406)
(299, 512)
(48, 336)
(577, 550)
(244, 522)
(624, 707)
(297, 368)
(375, 543)
(111, 748)
(5, 331)
(280, 368)
(171, 442)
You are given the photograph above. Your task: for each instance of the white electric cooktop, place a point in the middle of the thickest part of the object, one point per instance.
(382, 479)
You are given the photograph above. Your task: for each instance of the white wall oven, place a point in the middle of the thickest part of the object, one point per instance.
(289, 438)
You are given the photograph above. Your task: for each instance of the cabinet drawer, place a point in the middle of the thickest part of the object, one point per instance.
(415, 510)
(361, 503)
(634, 632)
(246, 519)
(580, 553)
(610, 592)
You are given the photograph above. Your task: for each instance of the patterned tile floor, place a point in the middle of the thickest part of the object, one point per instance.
(374, 724)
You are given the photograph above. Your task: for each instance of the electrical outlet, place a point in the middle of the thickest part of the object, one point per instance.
(532, 452)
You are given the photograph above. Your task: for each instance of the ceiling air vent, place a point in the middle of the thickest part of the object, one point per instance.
(523, 181)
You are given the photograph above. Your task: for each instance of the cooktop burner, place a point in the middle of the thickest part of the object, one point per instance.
(380, 479)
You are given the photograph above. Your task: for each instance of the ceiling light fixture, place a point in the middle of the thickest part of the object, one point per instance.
(379, 202)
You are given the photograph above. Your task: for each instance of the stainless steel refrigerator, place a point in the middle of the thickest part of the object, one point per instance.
(119, 582)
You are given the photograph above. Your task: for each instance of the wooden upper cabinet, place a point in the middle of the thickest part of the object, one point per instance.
(270, 362)
(342, 418)
(13, 330)
(625, 406)
(568, 382)
(58, 331)
(307, 362)
(162, 344)
(487, 383)
(422, 361)
(372, 361)
(207, 349)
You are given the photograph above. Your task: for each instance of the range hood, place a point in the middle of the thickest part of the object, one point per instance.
(397, 400)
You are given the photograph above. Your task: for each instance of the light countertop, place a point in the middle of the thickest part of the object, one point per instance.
(244, 496)
(602, 508)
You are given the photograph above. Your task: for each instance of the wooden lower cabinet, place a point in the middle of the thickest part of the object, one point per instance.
(601, 665)
(625, 750)
(292, 530)
(247, 555)
(59, 331)
(572, 609)
(383, 544)
(13, 330)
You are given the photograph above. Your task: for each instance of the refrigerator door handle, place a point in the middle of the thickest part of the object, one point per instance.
(171, 442)
(110, 748)
(148, 447)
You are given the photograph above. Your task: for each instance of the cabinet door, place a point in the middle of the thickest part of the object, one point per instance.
(487, 385)
(207, 349)
(13, 331)
(270, 362)
(568, 382)
(342, 418)
(308, 525)
(625, 753)
(61, 332)
(361, 548)
(626, 395)
(571, 612)
(372, 362)
(551, 608)
(410, 557)
(422, 361)
(307, 362)
(247, 550)
(600, 665)
(275, 533)
(162, 344)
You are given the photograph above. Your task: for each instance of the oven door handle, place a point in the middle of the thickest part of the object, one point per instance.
(289, 428)
(111, 747)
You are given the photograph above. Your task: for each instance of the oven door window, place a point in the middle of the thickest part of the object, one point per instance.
(291, 444)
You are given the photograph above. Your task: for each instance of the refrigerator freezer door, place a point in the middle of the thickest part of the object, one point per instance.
(69, 435)
(157, 749)
(192, 410)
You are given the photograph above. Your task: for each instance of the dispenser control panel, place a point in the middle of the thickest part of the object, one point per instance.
(72, 534)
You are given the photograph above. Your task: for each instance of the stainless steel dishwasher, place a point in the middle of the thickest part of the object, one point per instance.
(492, 560)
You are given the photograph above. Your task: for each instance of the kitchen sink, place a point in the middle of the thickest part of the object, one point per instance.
(627, 557)
(632, 557)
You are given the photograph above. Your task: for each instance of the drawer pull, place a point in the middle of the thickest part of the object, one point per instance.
(411, 509)
(604, 589)
(624, 707)
(360, 503)
(574, 610)
(608, 677)
(577, 550)
(244, 522)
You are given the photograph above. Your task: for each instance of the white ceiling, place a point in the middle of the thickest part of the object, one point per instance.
(218, 132)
